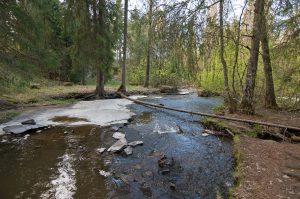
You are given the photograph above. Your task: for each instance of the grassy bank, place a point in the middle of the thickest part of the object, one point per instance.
(56, 94)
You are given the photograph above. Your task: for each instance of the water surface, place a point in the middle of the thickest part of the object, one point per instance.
(63, 162)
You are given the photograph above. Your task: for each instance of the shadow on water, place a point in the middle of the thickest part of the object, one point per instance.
(63, 162)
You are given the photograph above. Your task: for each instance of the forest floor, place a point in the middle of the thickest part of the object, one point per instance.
(268, 169)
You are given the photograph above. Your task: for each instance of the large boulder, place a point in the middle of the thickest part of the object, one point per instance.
(168, 89)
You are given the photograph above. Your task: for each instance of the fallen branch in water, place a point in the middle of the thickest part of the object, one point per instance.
(212, 115)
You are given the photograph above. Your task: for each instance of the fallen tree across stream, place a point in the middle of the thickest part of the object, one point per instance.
(211, 115)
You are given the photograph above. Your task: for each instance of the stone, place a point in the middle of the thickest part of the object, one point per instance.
(165, 171)
(165, 162)
(205, 134)
(148, 173)
(26, 136)
(172, 186)
(168, 89)
(29, 122)
(118, 146)
(19, 129)
(101, 150)
(104, 173)
(126, 178)
(179, 129)
(118, 135)
(114, 128)
(128, 150)
(136, 143)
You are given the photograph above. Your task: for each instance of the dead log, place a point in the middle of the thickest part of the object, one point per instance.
(295, 138)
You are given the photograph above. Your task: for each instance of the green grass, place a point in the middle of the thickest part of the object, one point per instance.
(6, 116)
(47, 95)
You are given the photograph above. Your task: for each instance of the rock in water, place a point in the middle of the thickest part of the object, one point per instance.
(29, 122)
(136, 143)
(19, 129)
(118, 135)
(128, 150)
(101, 150)
(104, 173)
(118, 146)
(114, 128)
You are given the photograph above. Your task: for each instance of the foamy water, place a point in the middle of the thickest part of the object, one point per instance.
(64, 185)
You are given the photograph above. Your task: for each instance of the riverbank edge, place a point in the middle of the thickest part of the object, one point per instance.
(12, 104)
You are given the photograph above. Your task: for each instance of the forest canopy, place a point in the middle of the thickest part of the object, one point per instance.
(249, 57)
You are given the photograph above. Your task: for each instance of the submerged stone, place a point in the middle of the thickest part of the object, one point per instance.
(118, 146)
(136, 143)
(128, 150)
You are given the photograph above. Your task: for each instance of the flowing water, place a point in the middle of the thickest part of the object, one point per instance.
(63, 162)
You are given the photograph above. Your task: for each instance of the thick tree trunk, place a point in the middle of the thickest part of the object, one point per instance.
(229, 99)
(270, 98)
(123, 85)
(149, 45)
(100, 83)
(247, 106)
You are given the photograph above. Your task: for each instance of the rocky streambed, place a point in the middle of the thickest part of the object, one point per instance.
(157, 154)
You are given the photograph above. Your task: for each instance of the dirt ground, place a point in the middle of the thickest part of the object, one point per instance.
(268, 169)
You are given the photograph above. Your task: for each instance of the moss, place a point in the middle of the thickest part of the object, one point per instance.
(238, 165)
(220, 109)
(216, 125)
(6, 116)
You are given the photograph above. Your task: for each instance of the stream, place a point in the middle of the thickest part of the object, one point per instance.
(63, 162)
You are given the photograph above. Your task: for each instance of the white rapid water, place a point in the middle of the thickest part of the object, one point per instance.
(64, 185)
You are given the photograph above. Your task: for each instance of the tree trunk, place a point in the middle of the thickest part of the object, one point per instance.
(270, 98)
(100, 83)
(247, 106)
(229, 100)
(123, 85)
(149, 45)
